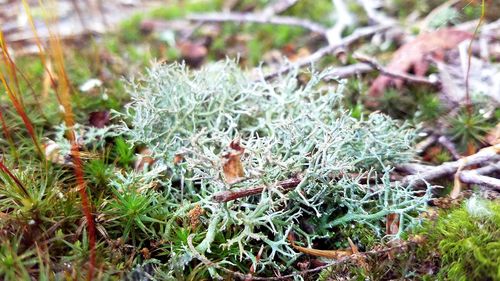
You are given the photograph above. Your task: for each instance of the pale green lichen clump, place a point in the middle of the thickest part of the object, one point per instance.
(287, 129)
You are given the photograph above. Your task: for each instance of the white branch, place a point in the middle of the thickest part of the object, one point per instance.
(259, 18)
(429, 173)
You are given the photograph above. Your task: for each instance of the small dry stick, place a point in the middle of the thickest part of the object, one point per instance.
(370, 7)
(430, 173)
(446, 142)
(322, 52)
(230, 195)
(472, 177)
(399, 75)
(278, 7)
(257, 18)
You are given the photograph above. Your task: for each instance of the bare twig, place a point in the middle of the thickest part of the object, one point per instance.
(358, 34)
(370, 7)
(399, 75)
(427, 173)
(277, 7)
(446, 142)
(424, 144)
(347, 71)
(230, 195)
(486, 170)
(258, 18)
(478, 177)
(344, 20)
(472, 177)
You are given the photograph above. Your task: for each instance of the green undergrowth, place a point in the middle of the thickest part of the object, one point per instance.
(465, 241)
(461, 243)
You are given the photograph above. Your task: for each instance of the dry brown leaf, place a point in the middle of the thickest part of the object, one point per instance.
(232, 166)
(193, 53)
(412, 56)
(392, 224)
(144, 159)
(99, 119)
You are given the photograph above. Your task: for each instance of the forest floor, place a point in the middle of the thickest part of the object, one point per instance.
(106, 174)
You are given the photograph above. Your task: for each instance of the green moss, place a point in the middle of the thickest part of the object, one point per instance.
(319, 11)
(467, 240)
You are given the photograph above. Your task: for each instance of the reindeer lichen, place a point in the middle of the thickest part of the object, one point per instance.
(287, 129)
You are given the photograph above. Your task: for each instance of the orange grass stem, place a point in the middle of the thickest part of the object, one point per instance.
(14, 178)
(63, 91)
(15, 97)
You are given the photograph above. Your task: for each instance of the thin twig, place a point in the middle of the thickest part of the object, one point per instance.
(428, 173)
(230, 195)
(358, 34)
(446, 142)
(370, 7)
(488, 169)
(347, 71)
(278, 7)
(344, 20)
(472, 177)
(425, 143)
(399, 75)
(258, 18)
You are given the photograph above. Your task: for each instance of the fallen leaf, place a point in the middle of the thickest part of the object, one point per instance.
(99, 119)
(193, 53)
(392, 224)
(412, 57)
(144, 159)
(232, 166)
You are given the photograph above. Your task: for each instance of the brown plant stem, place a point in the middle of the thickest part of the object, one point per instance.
(230, 195)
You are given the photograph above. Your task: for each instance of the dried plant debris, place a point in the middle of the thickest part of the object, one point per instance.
(412, 56)
(236, 133)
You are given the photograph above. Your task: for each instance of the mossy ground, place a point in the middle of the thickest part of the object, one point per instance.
(42, 230)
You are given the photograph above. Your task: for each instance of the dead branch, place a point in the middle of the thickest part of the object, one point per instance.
(472, 177)
(346, 41)
(446, 142)
(424, 144)
(399, 75)
(486, 170)
(370, 7)
(230, 195)
(428, 173)
(258, 18)
(277, 7)
(344, 20)
(347, 71)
